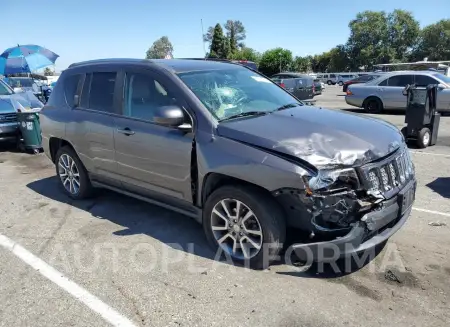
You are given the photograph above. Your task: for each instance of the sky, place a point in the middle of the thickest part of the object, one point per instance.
(90, 29)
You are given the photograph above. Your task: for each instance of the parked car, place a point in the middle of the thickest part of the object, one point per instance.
(23, 84)
(10, 103)
(330, 79)
(225, 145)
(385, 92)
(300, 85)
(342, 78)
(361, 79)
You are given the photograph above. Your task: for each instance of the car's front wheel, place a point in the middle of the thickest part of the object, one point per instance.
(341, 83)
(245, 223)
(72, 174)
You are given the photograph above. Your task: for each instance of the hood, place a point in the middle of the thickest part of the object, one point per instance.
(322, 137)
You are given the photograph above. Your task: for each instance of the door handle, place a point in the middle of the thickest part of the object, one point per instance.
(126, 131)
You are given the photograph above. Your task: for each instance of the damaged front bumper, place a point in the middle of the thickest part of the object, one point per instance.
(374, 228)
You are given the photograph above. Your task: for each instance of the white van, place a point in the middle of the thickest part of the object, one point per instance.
(327, 78)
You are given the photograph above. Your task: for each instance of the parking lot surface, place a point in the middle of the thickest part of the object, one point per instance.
(152, 267)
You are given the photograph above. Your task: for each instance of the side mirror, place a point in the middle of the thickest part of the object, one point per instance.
(441, 86)
(172, 116)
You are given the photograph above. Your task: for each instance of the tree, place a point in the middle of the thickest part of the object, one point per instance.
(403, 32)
(219, 46)
(434, 42)
(246, 54)
(275, 60)
(48, 72)
(339, 60)
(302, 64)
(160, 49)
(235, 33)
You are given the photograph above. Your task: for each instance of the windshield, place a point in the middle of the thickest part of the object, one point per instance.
(443, 78)
(227, 92)
(4, 89)
(20, 82)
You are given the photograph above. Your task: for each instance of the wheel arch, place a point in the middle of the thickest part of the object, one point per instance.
(56, 143)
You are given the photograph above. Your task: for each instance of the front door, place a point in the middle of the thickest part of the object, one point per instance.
(152, 159)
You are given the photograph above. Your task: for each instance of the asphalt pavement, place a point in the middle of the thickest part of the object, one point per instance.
(118, 261)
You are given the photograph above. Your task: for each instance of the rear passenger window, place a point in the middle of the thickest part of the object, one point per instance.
(400, 80)
(70, 88)
(98, 91)
(424, 80)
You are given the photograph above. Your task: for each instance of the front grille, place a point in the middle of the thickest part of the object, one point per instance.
(8, 118)
(389, 174)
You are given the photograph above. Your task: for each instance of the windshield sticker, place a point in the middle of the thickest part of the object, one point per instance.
(260, 79)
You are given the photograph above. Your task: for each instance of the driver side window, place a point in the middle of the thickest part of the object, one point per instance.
(144, 95)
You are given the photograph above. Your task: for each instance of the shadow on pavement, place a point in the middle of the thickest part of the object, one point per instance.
(135, 217)
(385, 112)
(176, 230)
(441, 185)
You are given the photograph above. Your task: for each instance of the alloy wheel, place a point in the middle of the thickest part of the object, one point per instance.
(236, 229)
(69, 174)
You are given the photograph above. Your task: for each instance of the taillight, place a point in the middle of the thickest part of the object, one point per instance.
(314, 88)
(282, 85)
(349, 92)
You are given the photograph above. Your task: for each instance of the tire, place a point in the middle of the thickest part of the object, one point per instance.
(404, 131)
(340, 83)
(373, 106)
(424, 138)
(267, 213)
(84, 189)
(329, 82)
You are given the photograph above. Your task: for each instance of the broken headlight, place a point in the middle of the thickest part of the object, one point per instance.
(334, 179)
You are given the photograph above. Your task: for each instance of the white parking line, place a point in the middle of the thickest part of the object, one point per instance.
(82, 295)
(430, 153)
(432, 211)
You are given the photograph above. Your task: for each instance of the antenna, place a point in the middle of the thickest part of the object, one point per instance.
(203, 40)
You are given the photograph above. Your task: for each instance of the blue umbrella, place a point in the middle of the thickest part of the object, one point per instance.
(25, 59)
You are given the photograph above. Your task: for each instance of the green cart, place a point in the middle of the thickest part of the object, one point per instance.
(30, 130)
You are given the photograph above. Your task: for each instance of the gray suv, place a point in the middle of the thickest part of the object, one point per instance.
(232, 149)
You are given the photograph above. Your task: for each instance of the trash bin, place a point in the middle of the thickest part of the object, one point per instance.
(30, 130)
(421, 117)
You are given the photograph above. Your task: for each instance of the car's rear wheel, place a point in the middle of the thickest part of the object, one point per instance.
(72, 174)
(244, 223)
(329, 82)
(373, 106)
(341, 83)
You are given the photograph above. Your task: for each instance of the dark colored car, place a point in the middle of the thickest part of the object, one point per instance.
(361, 79)
(300, 85)
(227, 146)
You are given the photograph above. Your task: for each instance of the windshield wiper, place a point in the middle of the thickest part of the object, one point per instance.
(245, 114)
(289, 105)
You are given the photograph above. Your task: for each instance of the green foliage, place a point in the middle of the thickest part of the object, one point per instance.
(246, 54)
(48, 72)
(275, 60)
(219, 44)
(160, 49)
(232, 40)
(377, 37)
(434, 42)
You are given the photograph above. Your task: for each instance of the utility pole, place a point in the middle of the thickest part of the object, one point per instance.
(203, 40)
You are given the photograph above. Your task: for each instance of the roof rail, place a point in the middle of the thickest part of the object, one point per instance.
(106, 61)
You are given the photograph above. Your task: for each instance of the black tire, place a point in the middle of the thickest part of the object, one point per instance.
(373, 106)
(404, 131)
(85, 189)
(268, 212)
(329, 82)
(424, 138)
(341, 83)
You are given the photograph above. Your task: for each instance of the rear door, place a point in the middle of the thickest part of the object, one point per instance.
(92, 129)
(392, 94)
(152, 159)
(443, 96)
